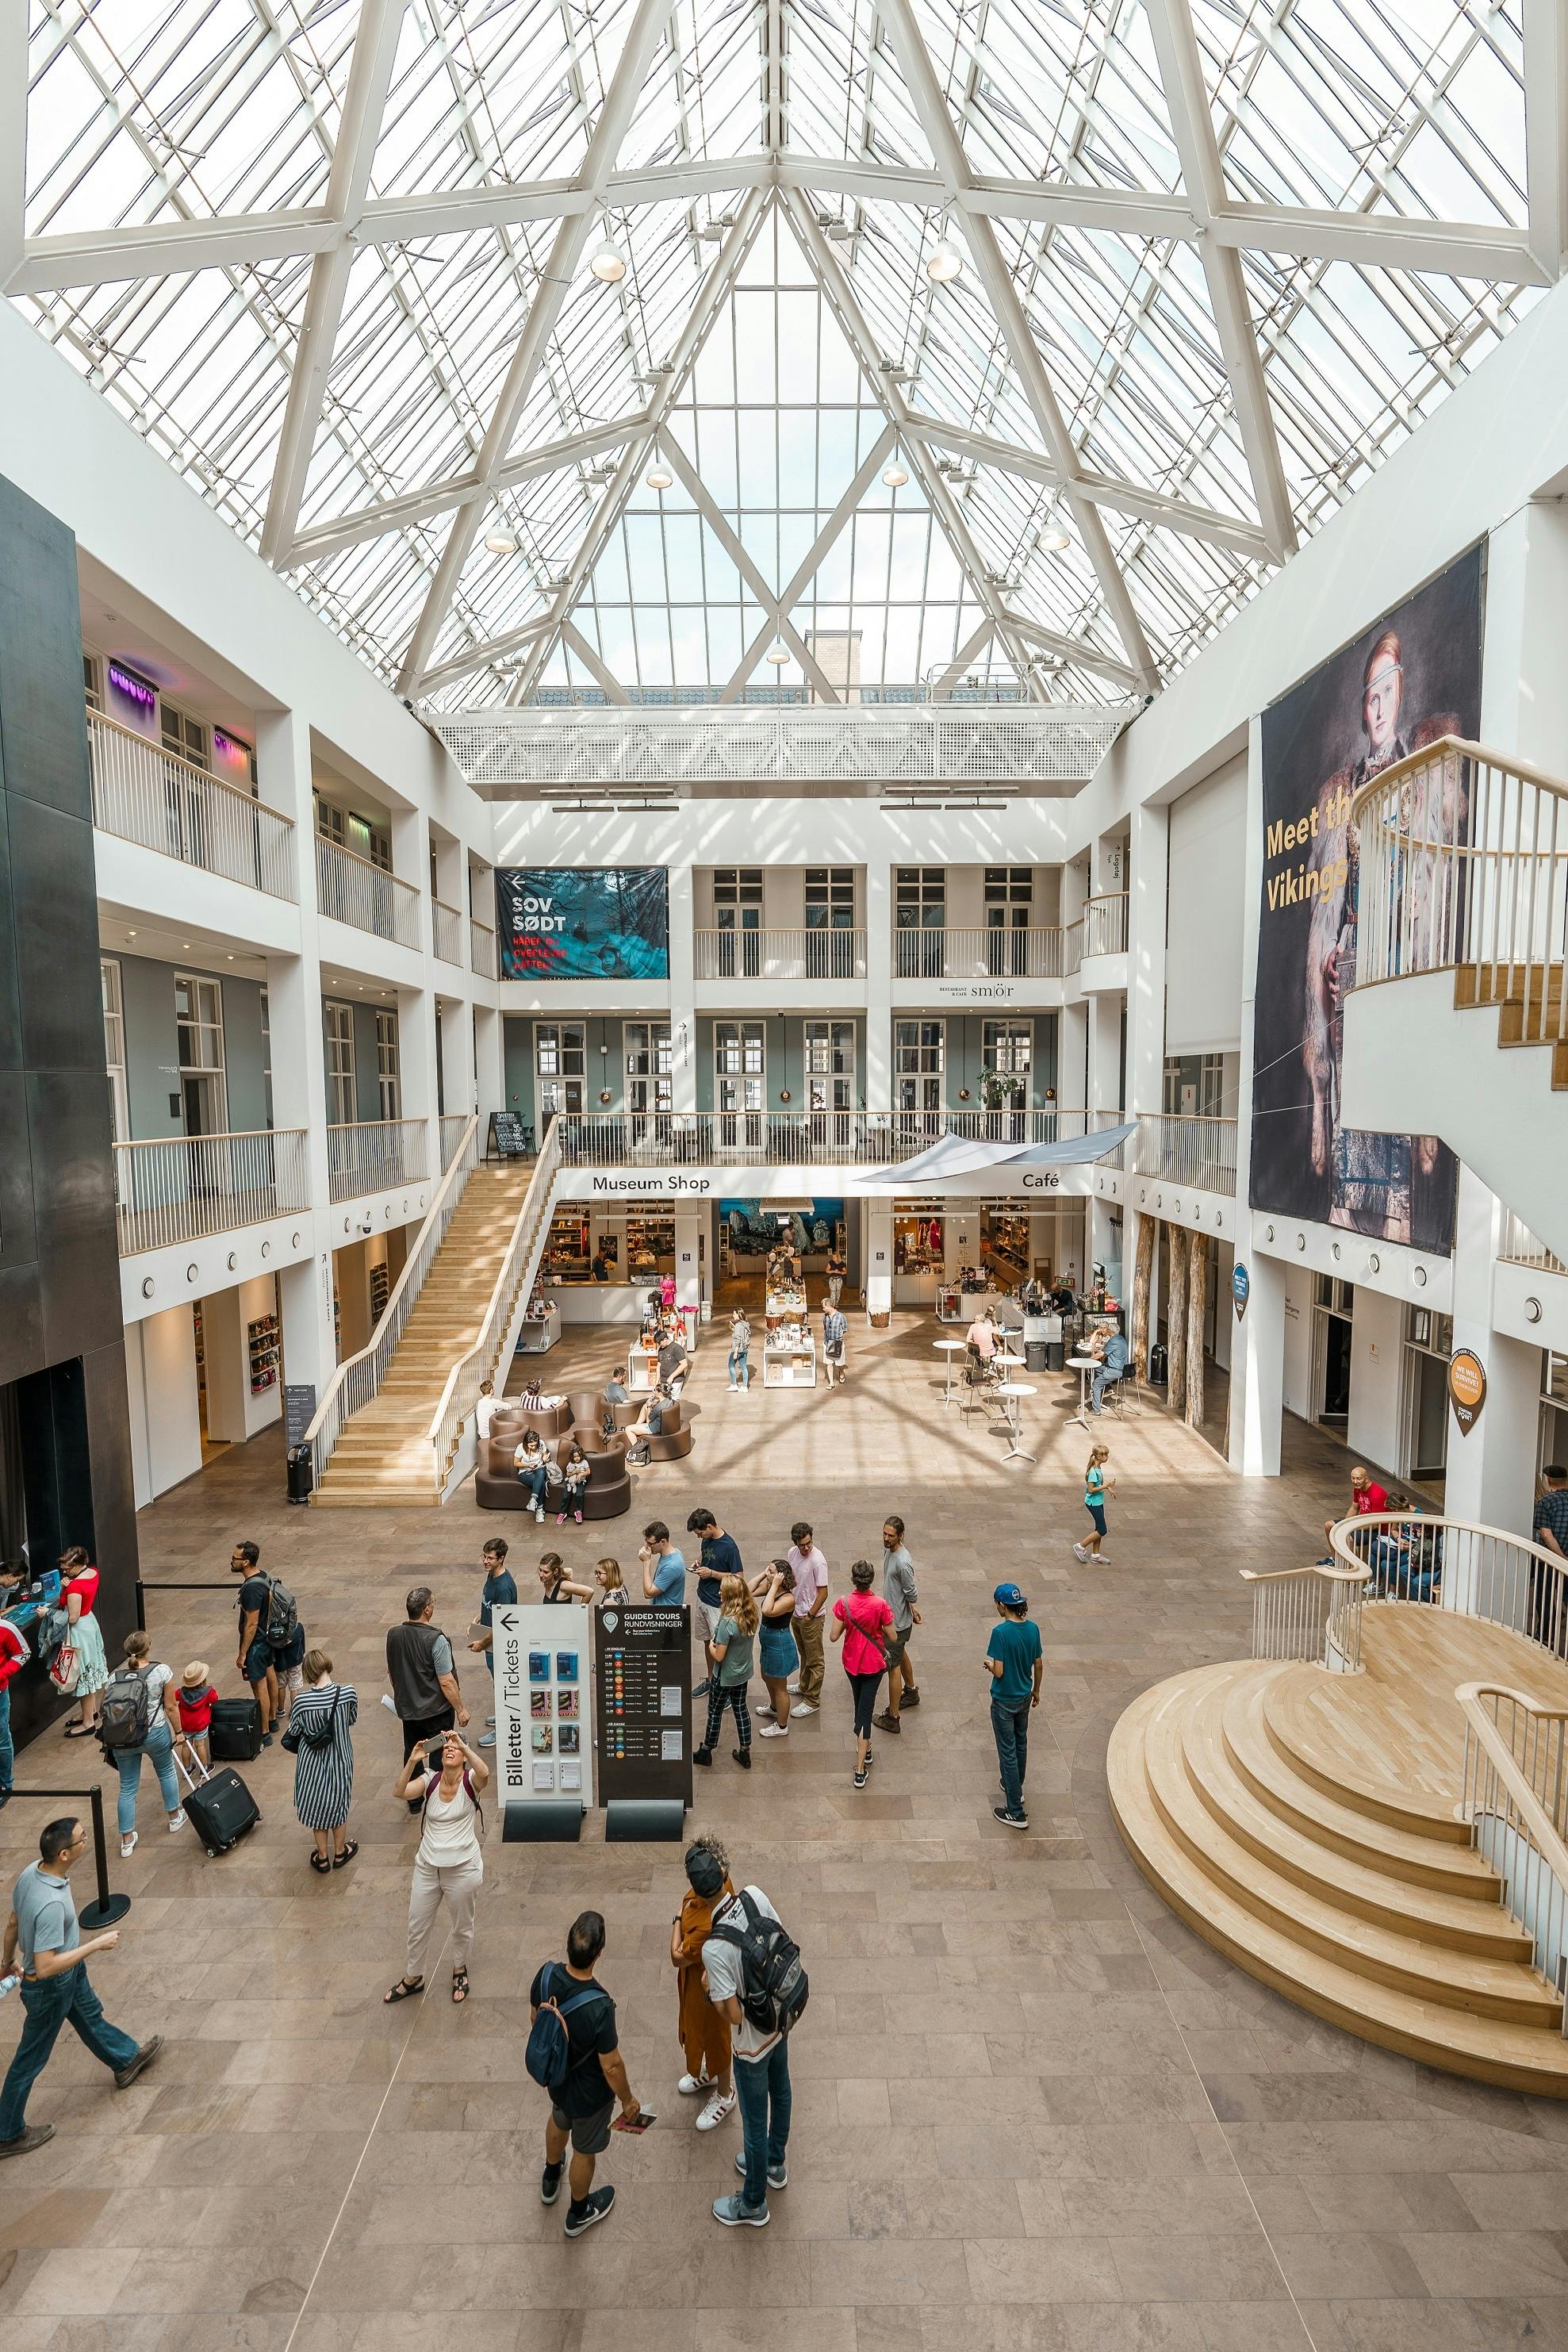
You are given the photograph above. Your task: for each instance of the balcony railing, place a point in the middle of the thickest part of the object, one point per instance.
(802, 1138)
(1038, 952)
(1105, 924)
(481, 948)
(1197, 1152)
(1515, 1752)
(143, 794)
(1310, 1614)
(352, 890)
(183, 1188)
(1520, 1247)
(780, 955)
(453, 1127)
(446, 926)
(374, 1155)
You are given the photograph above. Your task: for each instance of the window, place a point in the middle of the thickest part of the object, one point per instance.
(649, 1066)
(388, 1078)
(740, 1078)
(560, 1065)
(1007, 1048)
(114, 1048)
(342, 1108)
(920, 916)
(829, 1054)
(330, 823)
(830, 920)
(1008, 900)
(199, 1026)
(184, 736)
(92, 681)
(737, 909)
(918, 1053)
(1193, 1085)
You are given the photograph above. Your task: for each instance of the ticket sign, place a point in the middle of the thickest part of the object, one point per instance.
(643, 1703)
(542, 1744)
(1467, 1388)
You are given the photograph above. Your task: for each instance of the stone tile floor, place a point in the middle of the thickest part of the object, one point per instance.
(1032, 2113)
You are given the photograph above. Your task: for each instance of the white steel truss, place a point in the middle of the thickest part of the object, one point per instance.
(1216, 256)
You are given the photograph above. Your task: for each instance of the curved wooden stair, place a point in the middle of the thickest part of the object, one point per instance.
(1304, 1824)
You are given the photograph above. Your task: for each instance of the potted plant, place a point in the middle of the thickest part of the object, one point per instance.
(999, 1091)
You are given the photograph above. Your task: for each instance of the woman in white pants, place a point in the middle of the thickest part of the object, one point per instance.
(449, 1867)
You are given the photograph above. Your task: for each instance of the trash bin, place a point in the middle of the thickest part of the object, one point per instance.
(1055, 1356)
(1035, 1355)
(1159, 1366)
(301, 1473)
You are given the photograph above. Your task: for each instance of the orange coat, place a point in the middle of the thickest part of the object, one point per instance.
(704, 2033)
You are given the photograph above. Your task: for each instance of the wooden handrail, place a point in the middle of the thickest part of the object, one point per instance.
(547, 1166)
(370, 864)
(1528, 1805)
(1313, 1568)
(1337, 1539)
(1414, 763)
(221, 1135)
(202, 775)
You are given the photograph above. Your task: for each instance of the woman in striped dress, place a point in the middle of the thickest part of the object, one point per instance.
(319, 1722)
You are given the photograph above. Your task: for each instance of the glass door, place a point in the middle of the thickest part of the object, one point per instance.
(560, 1068)
(1007, 1057)
(389, 1078)
(1429, 1344)
(918, 1053)
(649, 1082)
(920, 915)
(830, 1059)
(830, 923)
(740, 1081)
(338, 1022)
(1334, 1306)
(1009, 897)
(737, 916)
(199, 1018)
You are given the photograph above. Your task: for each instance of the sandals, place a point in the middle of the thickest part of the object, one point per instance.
(349, 1851)
(404, 1991)
(320, 1861)
(459, 1985)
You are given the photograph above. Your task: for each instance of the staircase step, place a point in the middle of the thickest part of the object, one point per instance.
(1298, 1738)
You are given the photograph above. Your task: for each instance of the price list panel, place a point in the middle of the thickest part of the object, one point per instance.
(643, 1695)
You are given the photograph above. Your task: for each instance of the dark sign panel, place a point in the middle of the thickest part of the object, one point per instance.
(1412, 678)
(642, 1702)
(584, 922)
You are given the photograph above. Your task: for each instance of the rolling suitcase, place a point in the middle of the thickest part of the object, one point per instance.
(234, 1735)
(219, 1807)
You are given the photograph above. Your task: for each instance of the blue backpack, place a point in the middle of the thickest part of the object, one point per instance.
(548, 2053)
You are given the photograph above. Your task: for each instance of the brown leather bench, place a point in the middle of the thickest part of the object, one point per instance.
(549, 1420)
(496, 1486)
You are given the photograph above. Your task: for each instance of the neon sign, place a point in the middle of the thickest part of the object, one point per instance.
(135, 689)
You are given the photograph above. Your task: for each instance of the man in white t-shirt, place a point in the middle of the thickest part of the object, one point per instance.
(761, 2072)
(486, 1410)
(810, 1601)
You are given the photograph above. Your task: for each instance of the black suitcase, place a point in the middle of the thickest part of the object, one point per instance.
(236, 1731)
(221, 1808)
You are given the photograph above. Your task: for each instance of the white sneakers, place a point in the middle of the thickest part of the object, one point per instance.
(802, 1706)
(690, 2085)
(176, 1821)
(774, 1731)
(127, 1845)
(792, 1688)
(716, 2109)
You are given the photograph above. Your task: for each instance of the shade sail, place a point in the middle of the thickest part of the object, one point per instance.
(961, 1155)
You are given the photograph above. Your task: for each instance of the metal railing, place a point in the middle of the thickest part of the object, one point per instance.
(1105, 924)
(802, 1138)
(779, 955)
(181, 1188)
(359, 1378)
(1463, 865)
(371, 1154)
(482, 948)
(1197, 1152)
(1514, 1802)
(143, 794)
(1034, 951)
(1519, 1246)
(354, 891)
(447, 931)
(1311, 1614)
(451, 1431)
(1475, 1571)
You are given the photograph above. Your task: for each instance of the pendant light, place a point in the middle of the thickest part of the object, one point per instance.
(895, 477)
(778, 653)
(658, 477)
(609, 263)
(945, 264)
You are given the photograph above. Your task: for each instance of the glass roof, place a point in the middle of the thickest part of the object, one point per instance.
(1123, 297)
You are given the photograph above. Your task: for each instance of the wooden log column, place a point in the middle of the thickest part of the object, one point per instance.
(1197, 1313)
(1175, 1318)
(1143, 1277)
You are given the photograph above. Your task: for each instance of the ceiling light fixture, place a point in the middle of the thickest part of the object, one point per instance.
(1054, 542)
(945, 264)
(501, 542)
(658, 477)
(895, 477)
(609, 263)
(778, 653)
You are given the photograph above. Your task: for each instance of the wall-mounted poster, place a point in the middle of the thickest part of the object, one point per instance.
(753, 1227)
(1414, 676)
(584, 922)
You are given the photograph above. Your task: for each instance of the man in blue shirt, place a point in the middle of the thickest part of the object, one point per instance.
(720, 1558)
(1114, 1357)
(835, 1331)
(664, 1568)
(1014, 1662)
(499, 1586)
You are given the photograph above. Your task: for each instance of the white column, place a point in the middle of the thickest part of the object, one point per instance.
(1373, 1432)
(878, 1076)
(689, 1278)
(682, 989)
(1257, 1370)
(1491, 1475)
(879, 1260)
(416, 1007)
(489, 1075)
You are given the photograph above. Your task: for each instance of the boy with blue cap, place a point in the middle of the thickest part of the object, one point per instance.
(1015, 1663)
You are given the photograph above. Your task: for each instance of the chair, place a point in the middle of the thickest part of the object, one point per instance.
(973, 1385)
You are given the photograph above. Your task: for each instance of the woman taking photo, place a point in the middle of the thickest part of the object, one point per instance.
(731, 1655)
(778, 1657)
(449, 1867)
(79, 1590)
(862, 1622)
(703, 2029)
(323, 1714)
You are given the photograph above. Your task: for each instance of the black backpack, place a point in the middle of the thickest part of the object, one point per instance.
(774, 1987)
(282, 1614)
(125, 1718)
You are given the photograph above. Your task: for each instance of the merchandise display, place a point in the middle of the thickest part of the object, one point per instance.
(262, 1352)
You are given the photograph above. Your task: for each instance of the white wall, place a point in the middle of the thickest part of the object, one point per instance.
(166, 1408)
(1372, 1432)
(1297, 1386)
(1205, 914)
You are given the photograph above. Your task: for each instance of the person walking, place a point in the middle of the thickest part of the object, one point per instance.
(255, 1656)
(898, 1590)
(703, 2031)
(734, 1647)
(836, 1333)
(1015, 1663)
(740, 1351)
(838, 1267)
(78, 1591)
(319, 1724)
(43, 1941)
(449, 1867)
(664, 1568)
(778, 1657)
(139, 1719)
(580, 2110)
(810, 1573)
(761, 2062)
(534, 1467)
(426, 1696)
(863, 1621)
(720, 1558)
(1097, 1484)
(499, 1589)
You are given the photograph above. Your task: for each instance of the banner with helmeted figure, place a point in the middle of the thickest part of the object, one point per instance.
(1412, 678)
(584, 922)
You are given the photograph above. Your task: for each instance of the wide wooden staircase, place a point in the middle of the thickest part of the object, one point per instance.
(382, 1453)
(1306, 1824)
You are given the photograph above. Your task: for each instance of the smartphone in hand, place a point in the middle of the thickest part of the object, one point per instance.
(638, 2123)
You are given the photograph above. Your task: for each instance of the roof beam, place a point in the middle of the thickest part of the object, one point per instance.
(648, 26)
(804, 572)
(974, 644)
(1198, 149)
(364, 102)
(1007, 309)
(592, 663)
(1073, 649)
(1381, 241)
(1546, 134)
(495, 649)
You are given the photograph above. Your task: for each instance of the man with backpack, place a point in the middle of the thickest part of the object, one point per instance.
(269, 1634)
(573, 2052)
(755, 1980)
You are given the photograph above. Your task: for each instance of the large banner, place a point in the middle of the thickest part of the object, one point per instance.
(584, 922)
(1415, 675)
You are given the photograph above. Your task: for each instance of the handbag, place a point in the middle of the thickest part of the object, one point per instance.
(65, 1666)
(292, 1741)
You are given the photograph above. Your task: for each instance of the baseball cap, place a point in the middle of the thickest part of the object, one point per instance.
(1009, 1596)
(703, 1872)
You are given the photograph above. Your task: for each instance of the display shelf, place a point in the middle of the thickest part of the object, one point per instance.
(950, 1304)
(380, 1291)
(262, 1349)
(790, 1363)
(540, 1329)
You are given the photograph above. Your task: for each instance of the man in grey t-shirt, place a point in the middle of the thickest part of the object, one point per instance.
(761, 2062)
(44, 1940)
(899, 1591)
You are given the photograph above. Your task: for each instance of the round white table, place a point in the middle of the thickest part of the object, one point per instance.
(1082, 1366)
(949, 1348)
(1011, 1390)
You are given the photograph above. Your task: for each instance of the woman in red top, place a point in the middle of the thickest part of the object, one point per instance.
(863, 1621)
(79, 1590)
